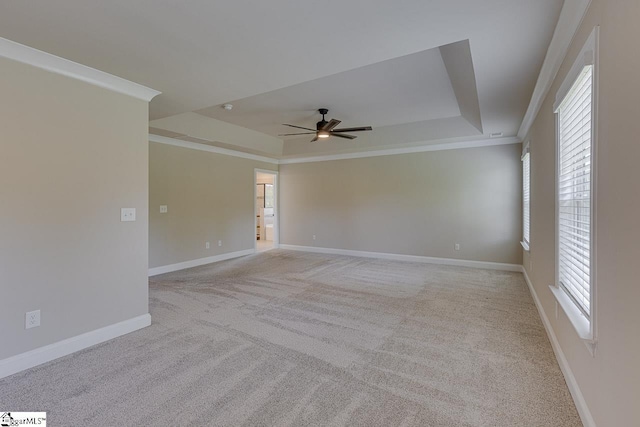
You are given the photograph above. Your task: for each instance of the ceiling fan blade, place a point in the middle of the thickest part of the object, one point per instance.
(331, 124)
(339, 135)
(314, 139)
(360, 129)
(299, 127)
(290, 134)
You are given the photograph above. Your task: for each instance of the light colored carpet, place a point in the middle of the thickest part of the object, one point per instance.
(286, 338)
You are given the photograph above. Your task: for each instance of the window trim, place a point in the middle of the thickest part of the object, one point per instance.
(526, 244)
(585, 328)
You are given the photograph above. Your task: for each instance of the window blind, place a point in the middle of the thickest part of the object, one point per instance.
(574, 190)
(526, 196)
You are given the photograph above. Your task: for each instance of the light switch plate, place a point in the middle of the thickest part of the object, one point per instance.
(163, 208)
(127, 214)
(32, 319)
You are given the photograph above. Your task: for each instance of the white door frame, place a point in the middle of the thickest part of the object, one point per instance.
(276, 207)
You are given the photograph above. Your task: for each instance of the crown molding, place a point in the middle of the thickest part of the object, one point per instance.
(407, 150)
(211, 149)
(571, 16)
(344, 156)
(46, 61)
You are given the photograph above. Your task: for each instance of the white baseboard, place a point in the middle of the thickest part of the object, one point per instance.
(196, 262)
(574, 389)
(41, 355)
(413, 258)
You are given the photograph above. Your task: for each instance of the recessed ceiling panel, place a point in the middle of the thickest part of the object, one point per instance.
(412, 88)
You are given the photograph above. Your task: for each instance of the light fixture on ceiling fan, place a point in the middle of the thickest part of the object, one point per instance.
(325, 129)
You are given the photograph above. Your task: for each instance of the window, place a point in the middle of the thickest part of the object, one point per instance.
(575, 110)
(268, 196)
(526, 197)
(574, 190)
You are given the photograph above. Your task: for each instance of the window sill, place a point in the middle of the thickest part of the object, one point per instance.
(525, 246)
(580, 323)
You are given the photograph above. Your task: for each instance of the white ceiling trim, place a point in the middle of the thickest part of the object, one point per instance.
(344, 156)
(407, 150)
(37, 58)
(201, 147)
(571, 16)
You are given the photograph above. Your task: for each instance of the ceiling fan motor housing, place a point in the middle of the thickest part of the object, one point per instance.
(322, 122)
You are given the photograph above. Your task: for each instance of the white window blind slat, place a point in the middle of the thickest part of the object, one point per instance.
(573, 281)
(574, 190)
(575, 179)
(574, 121)
(578, 271)
(585, 224)
(577, 105)
(575, 154)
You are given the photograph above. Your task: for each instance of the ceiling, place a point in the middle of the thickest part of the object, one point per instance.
(416, 70)
(408, 89)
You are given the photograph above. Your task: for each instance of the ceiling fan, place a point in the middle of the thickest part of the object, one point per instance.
(325, 129)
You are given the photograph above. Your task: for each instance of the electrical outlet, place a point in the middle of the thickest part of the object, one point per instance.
(219, 242)
(163, 209)
(127, 214)
(457, 247)
(314, 237)
(32, 319)
(207, 245)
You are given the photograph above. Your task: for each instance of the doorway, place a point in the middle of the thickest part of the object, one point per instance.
(266, 209)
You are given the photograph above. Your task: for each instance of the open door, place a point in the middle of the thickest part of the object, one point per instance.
(265, 198)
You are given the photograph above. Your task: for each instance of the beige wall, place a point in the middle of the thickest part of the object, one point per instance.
(71, 155)
(413, 204)
(209, 197)
(610, 381)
